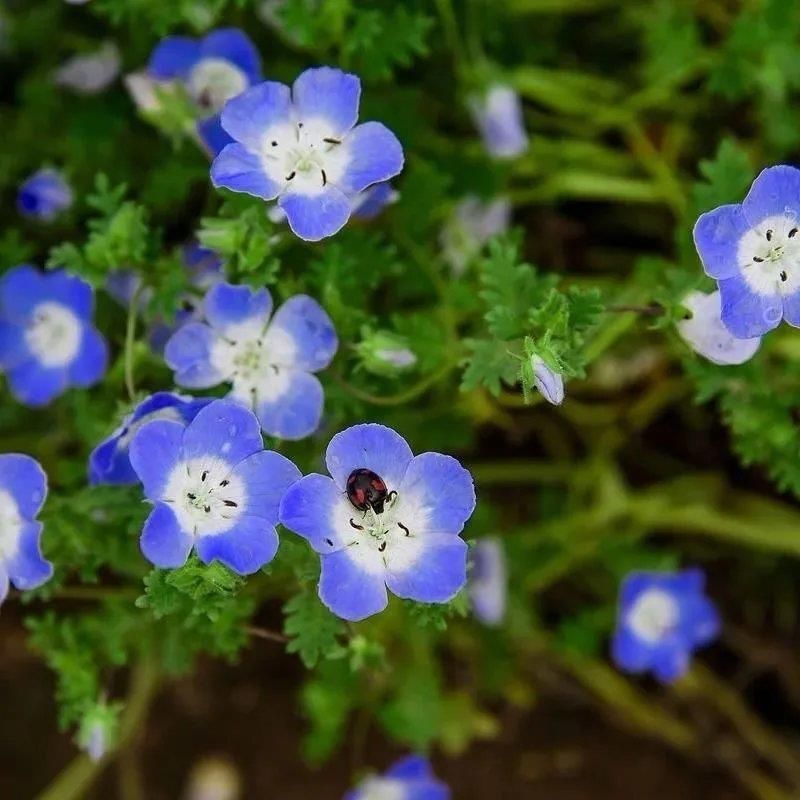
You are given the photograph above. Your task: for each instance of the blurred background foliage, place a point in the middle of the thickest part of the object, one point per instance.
(641, 115)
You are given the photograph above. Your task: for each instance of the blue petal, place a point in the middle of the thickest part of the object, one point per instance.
(227, 306)
(188, 353)
(13, 347)
(27, 569)
(154, 452)
(3, 582)
(245, 548)
(91, 360)
(223, 430)
(44, 195)
(213, 135)
(791, 312)
(239, 170)
(163, 542)
(487, 583)
(173, 58)
(411, 767)
(634, 584)
(348, 590)
(437, 575)
(716, 237)
(700, 619)
(776, 191)
(368, 446)
(307, 324)
(35, 385)
(232, 44)
(747, 314)
(21, 290)
(297, 412)
(670, 663)
(313, 217)
(630, 653)
(429, 790)
(110, 464)
(247, 116)
(266, 475)
(308, 508)
(70, 291)
(23, 478)
(329, 94)
(375, 156)
(372, 201)
(442, 491)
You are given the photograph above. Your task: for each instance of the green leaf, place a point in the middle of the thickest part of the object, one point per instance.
(312, 628)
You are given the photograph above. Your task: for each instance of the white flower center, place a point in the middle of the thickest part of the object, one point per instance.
(654, 615)
(382, 789)
(10, 525)
(204, 495)
(53, 334)
(304, 156)
(214, 81)
(769, 255)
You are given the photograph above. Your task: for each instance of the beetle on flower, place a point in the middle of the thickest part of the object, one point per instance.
(752, 250)
(385, 518)
(410, 778)
(303, 147)
(663, 617)
(23, 488)
(269, 361)
(47, 340)
(44, 195)
(214, 487)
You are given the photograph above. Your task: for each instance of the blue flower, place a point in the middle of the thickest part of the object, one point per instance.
(752, 250)
(23, 488)
(386, 518)
(300, 145)
(488, 582)
(91, 73)
(498, 117)
(663, 617)
(47, 340)
(472, 223)
(269, 362)
(214, 487)
(547, 381)
(44, 195)
(213, 70)
(109, 461)
(410, 778)
(706, 335)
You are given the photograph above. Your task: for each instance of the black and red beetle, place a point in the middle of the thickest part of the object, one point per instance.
(366, 489)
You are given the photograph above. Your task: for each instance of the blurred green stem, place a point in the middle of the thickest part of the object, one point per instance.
(130, 341)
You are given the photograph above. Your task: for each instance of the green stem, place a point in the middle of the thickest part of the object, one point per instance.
(130, 341)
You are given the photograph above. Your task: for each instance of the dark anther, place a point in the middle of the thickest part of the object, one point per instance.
(299, 124)
(792, 233)
(783, 275)
(331, 140)
(757, 259)
(356, 526)
(329, 542)
(191, 496)
(187, 305)
(382, 546)
(224, 483)
(404, 529)
(207, 509)
(275, 368)
(274, 144)
(230, 504)
(769, 236)
(204, 475)
(391, 496)
(290, 176)
(324, 178)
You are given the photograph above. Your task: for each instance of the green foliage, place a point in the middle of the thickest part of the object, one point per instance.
(312, 629)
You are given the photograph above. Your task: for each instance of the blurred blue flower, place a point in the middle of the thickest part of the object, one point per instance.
(269, 362)
(90, 73)
(109, 462)
(410, 778)
(23, 488)
(386, 518)
(300, 145)
(498, 117)
(705, 333)
(472, 223)
(487, 584)
(663, 617)
(548, 382)
(214, 487)
(752, 250)
(47, 340)
(44, 195)
(213, 70)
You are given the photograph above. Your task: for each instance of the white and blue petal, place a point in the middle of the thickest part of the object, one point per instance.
(23, 478)
(315, 216)
(302, 321)
(267, 476)
(91, 360)
(240, 170)
(163, 542)
(245, 548)
(173, 58)
(223, 430)
(35, 385)
(14, 348)
(44, 195)
(212, 135)
(351, 587)
(289, 404)
(70, 291)
(745, 313)
(154, 453)
(775, 192)
(248, 116)
(716, 237)
(233, 45)
(436, 572)
(376, 156)
(21, 289)
(235, 309)
(330, 95)
(309, 508)
(27, 568)
(189, 353)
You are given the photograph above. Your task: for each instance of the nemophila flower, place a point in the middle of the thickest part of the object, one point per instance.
(752, 250)
(90, 74)
(663, 617)
(214, 487)
(498, 117)
(385, 353)
(98, 730)
(44, 195)
(269, 361)
(109, 461)
(410, 778)
(487, 584)
(385, 518)
(548, 382)
(303, 147)
(47, 340)
(212, 70)
(705, 333)
(472, 223)
(23, 488)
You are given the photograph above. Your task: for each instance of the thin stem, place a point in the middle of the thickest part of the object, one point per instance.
(130, 341)
(451, 32)
(263, 633)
